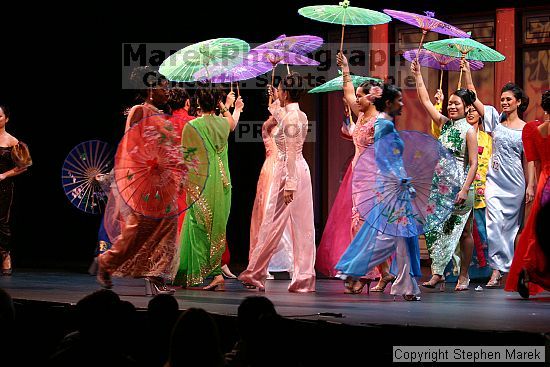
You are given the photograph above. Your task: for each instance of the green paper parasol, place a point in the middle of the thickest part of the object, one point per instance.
(465, 48)
(184, 64)
(336, 83)
(344, 14)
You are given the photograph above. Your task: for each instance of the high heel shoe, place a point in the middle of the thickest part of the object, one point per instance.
(434, 281)
(218, 284)
(227, 273)
(358, 286)
(104, 279)
(411, 297)
(349, 284)
(462, 286)
(494, 282)
(523, 284)
(154, 286)
(382, 283)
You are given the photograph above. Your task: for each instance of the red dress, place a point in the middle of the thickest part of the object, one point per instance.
(528, 253)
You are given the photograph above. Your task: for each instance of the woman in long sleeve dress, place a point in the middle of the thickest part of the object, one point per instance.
(369, 248)
(282, 259)
(290, 196)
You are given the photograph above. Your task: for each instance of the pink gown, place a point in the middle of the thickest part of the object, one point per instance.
(282, 259)
(339, 232)
(290, 172)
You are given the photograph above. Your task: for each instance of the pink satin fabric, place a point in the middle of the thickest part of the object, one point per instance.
(336, 235)
(290, 172)
(282, 259)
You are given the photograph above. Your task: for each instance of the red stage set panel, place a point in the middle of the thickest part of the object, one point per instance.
(505, 42)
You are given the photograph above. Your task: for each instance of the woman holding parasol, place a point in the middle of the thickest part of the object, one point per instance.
(458, 136)
(509, 174)
(290, 198)
(203, 239)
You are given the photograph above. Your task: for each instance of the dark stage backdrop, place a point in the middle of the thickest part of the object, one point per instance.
(62, 80)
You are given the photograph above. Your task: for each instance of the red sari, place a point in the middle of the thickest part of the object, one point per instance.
(528, 253)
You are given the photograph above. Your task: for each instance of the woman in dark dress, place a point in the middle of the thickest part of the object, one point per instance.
(14, 160)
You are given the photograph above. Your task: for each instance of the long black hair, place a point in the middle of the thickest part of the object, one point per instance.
(519, 94)
(293, 85)
(6, 110)
(206, 99)
(144, 78)
(546, 101)
(467, 96)
(389, 93)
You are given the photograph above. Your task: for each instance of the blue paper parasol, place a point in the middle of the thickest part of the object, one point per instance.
(393, 182)
(78, 176)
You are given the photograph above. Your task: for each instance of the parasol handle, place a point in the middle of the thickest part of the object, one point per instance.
(420, 45)
(463, 57)
(441, 80)
(343, 31)
(272, 82)
(238, 93)
(231, 91)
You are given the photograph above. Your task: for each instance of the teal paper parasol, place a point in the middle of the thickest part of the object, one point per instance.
(344, 14)
(336, 83)
(465, 48)
(184, 64)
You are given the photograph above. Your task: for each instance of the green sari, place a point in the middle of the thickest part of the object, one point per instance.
(203, 230)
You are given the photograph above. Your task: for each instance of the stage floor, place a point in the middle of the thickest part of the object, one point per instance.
(488, 310)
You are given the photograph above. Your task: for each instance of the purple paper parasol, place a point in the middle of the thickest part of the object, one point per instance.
(434, 60)
(275, 57)
(427, 23)
(297, 44)
(247, 69)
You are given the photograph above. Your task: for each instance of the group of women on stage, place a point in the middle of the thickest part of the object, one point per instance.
(501, 159)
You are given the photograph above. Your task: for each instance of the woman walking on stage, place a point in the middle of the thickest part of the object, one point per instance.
(458, 136)
(203, 239)
(362, 132)
(507, 189)
(14, 160)
(290, 196)
(370, 248)
(142, 247)
(282, 259)
(530, 270)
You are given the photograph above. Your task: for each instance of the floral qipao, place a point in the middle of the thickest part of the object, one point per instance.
(442, 243)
